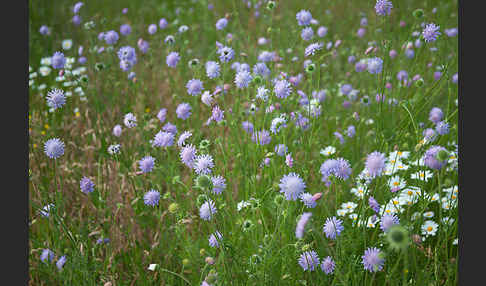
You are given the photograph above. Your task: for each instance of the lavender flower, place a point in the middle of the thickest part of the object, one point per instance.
(111, 37)
(219, 184)
(351, 131)
(207, 210)
(431, 32)
(282, 88)
(44, 30)
(56, 98)
(387, 221)
(226, 54)
(243, 79)
(311, 49)
(328, 265)
(151, 198)
(292, 186)
(212, 69)
(442, 127)
(299, 230)
(143, 45)
(163, 139)
(54, 148)
(436, 115)
(375, 65)
(194, 87)
(163, 23)
(181, 142)
(375, 163)
(309, 260)
(188, 154)
(281, 150)
(146, 164)
(221, 24)
(308, 200)
(383, 7)
(303, 17)
(130, 120)
(261, 137)
(374, 204)
(58, 61)
(307, 34)
(125, 29)
(333, 227)
(203, 164)
(372, 259)
(431, 160)
(183, 111)
(247, 126)
(213, 239)
(322, 31)
(86, 185)
(152, 28)
(172, 59)
(262, 70)
(161, 115)
(217, 114)
(47, 254)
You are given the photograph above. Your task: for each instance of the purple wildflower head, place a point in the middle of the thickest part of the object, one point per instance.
(56, 98)
(375, 163)
(161, 115)
(292, 186)
(309, 260)
(328, 265)
(387, 221)
(226, 54)
(163, 139)
(130, 120)
(261, 137)
(207, 210)
(183, 111)
(308, 200)
(374, 204)
(333, 227)
(212, 69)
(322, 31)
(54, 148)
(436, 115)
(111, 37)
(188, 154)
(303, 17)
(217, 114)
(243, 79)
(76, 20)
(351, 131)
(247, 126)
(58, 61)
(375, 65)
(299, 230)
(60, 262)
(152, 28)
(143, 45)
(307, 33)
(360, 66)
(282, 88)
(146, 164)
(383, 7)
(163, 23)
(221, 24)
(214, 238)
(44, 30)
(181, 142)
(117, 130)
(151, 198)
(373, 259)
(346, 89)
(431, 160)
(172, 59)
(429, 134)
(86, 185)
(261, 69)
(203, 164)
(169, 127)
(219, 184)
(312, 48)
(431, 32)
(194, 87)
(47, 254)
(125, 29)
(442, 127)
(281, 149)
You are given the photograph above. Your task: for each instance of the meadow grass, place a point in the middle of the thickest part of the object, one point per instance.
(258, 225)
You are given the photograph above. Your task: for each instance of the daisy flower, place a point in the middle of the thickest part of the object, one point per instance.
(328, 151)
(429, 228)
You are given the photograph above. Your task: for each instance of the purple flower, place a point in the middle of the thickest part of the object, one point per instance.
(182, 139)
(163, 139)
(374, 204)
(431, 160)
(111, 37)
(125, 29)
(333, 227)
(117, 130)
(361, 32)
(308, 200)
(312, 48)
(212, 69)
(455, 78)
(86, 185)
(183, 111)
(54, 148)
(219, 184)
(146, 164)
(346, 89)
(203, 164)
(299, 230)
(76, 20)
(169, 127)
(77, 7)
(130, 120)
(375, 65)
(327, 265)
(213, 239)
(442, 127)
(281, 150)
(188, 154)
(163, 23)
(226, 54)
(375, 163)
(451, 32)
(217, 114)
(162, 114)
(360, 66)
(194, 87)
(351, 131)
(322, 31)
(172, 59)
(340, 137)
(409, 53)
(307, 33)
(383, 7)
(47, 254)
(303, 17)
(151, 198)
(437, 75)
(292, 186)
(58, 60)
(266, 56)
(282, 88)
(262, 70)
(261, 137)
(207, 210)
(152, 28)
(143, 45)
(309, 260)
(431, 32)
(247, 126)
(60, 262)
(44, 30)
(221, 23)
(372, 259)
(243, 79)
(387, 221)
(56, 98)
(435, 115)
(429, 134)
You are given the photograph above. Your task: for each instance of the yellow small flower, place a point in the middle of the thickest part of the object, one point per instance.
(78, 114)
(30, 117)
(147, 110)
(35, 145)
(46, 126)
(43, 132)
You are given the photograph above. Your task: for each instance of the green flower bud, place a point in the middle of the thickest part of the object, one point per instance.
(418, 13)
(271, 5)
(203, 182)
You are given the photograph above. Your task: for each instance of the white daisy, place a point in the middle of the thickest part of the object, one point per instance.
(422, 175)
(67, 44)
(455, 241)
(44, 70)
(435, 198)
(429, 228)
(447, 220)
(328, 151)
(350, 206)
(241, 205)
(359, 191)
(396, 182)
(342, 212)
(397, 155)
(353, 216)
(428, 214)
(370, 223)
(414, 216)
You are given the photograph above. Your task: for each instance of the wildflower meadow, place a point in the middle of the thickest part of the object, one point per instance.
(243, 142)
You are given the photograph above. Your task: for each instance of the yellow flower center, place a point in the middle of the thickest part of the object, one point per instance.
(429, 228)
(395, 184)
